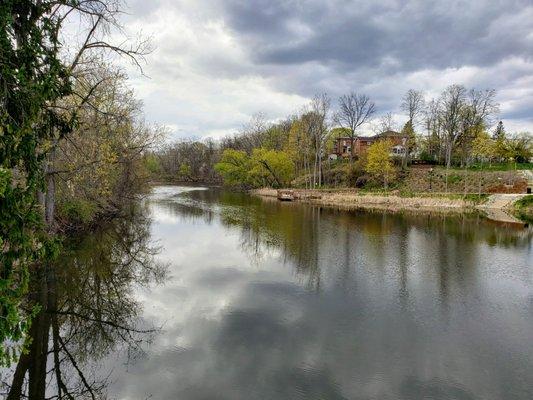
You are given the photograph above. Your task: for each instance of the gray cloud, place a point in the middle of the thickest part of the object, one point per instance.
(416, 34)
(217, 63)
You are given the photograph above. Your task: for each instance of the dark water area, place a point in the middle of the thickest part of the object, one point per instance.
(247, 298)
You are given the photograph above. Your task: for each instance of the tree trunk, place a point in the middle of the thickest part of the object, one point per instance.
(15, 391)
(50, 201)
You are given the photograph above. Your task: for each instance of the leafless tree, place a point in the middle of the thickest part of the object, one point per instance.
(354, 111)
(385, 123)
(479, 112)
(413, 105)
(451, 106)
(319, 107)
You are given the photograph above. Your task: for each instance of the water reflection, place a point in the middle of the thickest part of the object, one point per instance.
(274, 300)
(88, 310)
(270, 300)
(304, 234)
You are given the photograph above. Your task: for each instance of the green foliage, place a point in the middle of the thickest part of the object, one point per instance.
(523, 209)
(263, 168)
(520, 148)
(483, 146)
(31, 78)
(185, 171)
(234, 166)
(501, 167)
(409, 131)
(77, 211)
(271, 168)
(379, 162)
(152, 165)
(453, 178)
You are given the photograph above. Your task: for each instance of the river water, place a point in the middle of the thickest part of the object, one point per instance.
(270, 300)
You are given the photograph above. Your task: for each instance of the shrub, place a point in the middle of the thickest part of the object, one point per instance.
(362, 181)
(524, 209)
(77, 212)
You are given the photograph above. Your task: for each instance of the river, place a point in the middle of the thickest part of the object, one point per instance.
(259, 299)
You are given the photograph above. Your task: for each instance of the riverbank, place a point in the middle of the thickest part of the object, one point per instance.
(497, 209)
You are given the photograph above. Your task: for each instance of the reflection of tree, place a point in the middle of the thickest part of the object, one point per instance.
(311, 237)
(87, 310)
(292, 229)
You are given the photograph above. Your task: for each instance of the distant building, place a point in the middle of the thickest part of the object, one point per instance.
(343, 145)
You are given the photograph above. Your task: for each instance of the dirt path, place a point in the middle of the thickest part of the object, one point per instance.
(501, 201)
(498, 206)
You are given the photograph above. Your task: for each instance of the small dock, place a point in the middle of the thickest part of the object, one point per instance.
(286, 195)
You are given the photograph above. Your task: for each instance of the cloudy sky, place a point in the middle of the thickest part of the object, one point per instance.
(218, 62)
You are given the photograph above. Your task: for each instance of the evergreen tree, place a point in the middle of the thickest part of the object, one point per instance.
(499, 133)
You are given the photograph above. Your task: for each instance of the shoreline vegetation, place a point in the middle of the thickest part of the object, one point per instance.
(396, 201)
(451, 155)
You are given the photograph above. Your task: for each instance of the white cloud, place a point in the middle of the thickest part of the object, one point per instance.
(211, 70)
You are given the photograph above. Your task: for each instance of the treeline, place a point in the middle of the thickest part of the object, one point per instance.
(457, 129)
(72, 142)
(96, 169)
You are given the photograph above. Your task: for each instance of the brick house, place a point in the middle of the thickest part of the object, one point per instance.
(342, 145)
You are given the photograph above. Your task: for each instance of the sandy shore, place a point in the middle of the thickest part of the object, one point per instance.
(351, 199)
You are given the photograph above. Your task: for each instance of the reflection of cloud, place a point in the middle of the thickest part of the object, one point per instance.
(412, 388)
(239, 331)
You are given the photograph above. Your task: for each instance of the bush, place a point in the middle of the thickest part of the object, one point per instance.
(335, 176)
(524, 209)
(354, 172)
(77, 212)
(362, 181)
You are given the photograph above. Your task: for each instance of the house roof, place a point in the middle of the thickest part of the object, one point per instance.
(357, 138)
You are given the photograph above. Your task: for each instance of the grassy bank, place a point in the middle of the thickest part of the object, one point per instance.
(392, 201)
(523, 209)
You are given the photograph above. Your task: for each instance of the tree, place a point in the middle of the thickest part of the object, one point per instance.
(184, 171)
(234, 166)
(413, 103)
(317, 120)
(410, 141)
(386, 123)
(271, 168)
(433, 124)
(520, 147)
(499, 132)
(36, 77)
(379, 161)
(477, 113)
(354, 111)
(451, 106)
(483, 146)
(32, 77)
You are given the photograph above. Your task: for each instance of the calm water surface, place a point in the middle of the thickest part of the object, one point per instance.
(269, 300)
